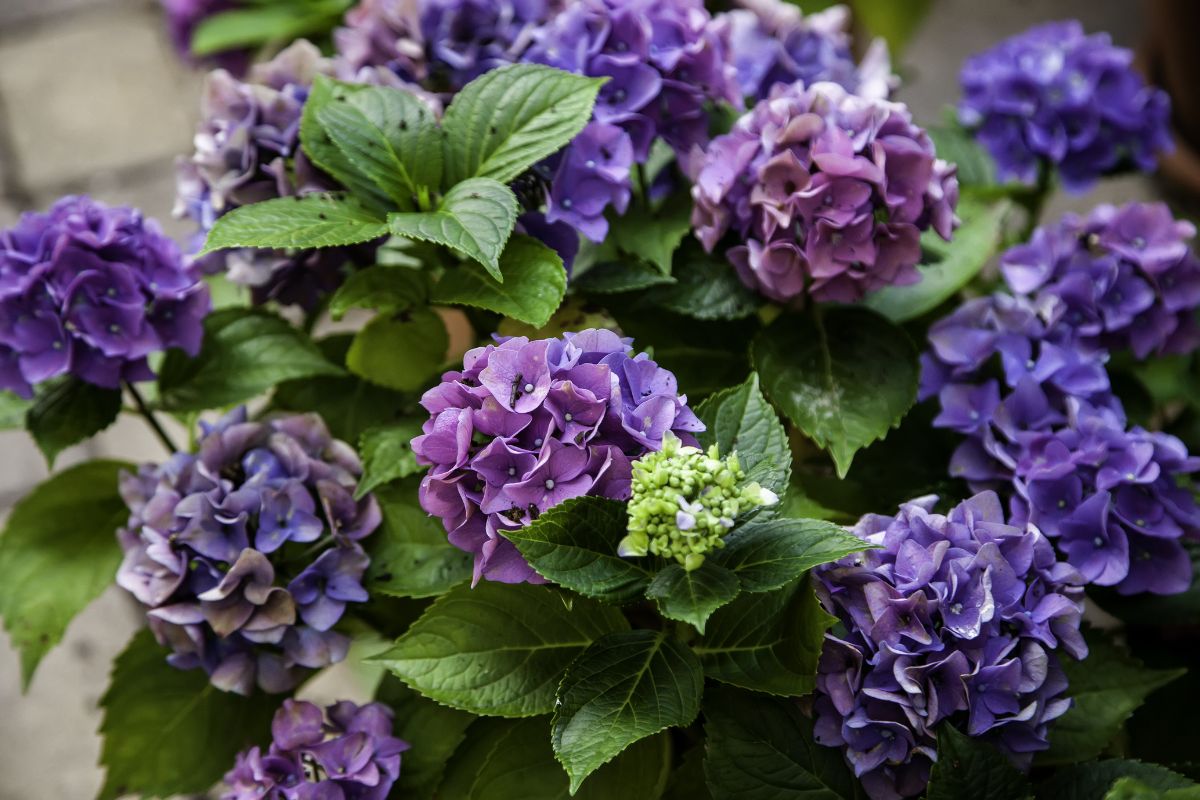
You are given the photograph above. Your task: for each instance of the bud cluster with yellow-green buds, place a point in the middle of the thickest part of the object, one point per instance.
(685, 500)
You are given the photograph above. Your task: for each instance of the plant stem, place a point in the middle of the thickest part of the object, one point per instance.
(644, 186)
(151, 420)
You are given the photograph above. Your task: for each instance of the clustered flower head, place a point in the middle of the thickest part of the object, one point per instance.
(528, 424)
(1024, 379)
(440, 44)
(1054, 96)
(91, 291)
(684, 501)
(954, 619)
(346, 753)
(665, 61)
(827, 194)
(774, 42)
(185, 16)
(247, 552)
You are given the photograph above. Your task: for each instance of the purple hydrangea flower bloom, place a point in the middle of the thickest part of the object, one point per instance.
(1053, 96)
(220, 548)
(184, 16)
(91, 291)
(528, 424)
(347, 752)
(773, 43)
(827, 193)
(954, 619)
(665, 61)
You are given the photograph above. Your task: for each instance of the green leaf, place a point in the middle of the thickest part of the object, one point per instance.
(251, 27)
(1107, 687)
(705, 287)
(509, 119)
(574, 544)
(169, 731)
(654, 236)
(687, 781)
(387, 455)
(976, 169)
(475, 218)
(1133, 789)
(436, 732)
(321, 150)
(970, 767)
(388, 290)
(741, 420)
(245, 352)
(13, 410)
(1093, 780)
(410, 555)
(533, 287)
(845, 377)
(767, 642)
(949, 266)
(390, 135)
(303, 223)
(760, 748)
(57, 554)
(895, 20)
(624, 687)
(498, 649)
(400, 352)
(624, 275)
(512, 760)
(766, 555)
(66, 411)
(692, 596)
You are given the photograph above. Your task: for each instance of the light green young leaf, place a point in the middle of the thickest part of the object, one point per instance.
(845, 377)
(971, 767)
(388, 290)
(621, 275)
(1094, 779)
(767, 642)
(322, 152)
(245, 352)
(387, 455)
(624, 687)
(13, 410)
(475, 218)
(1128, 788)
(440, 731)
(498, 649)
(157, 717)
(252, 27)
(766, 555)
(533, 287)
(66, 411)
(509, 119)
(574, 544)
(390, 135)
(692, 596)
(410, 556)
(305, 222)
(57, 554)
(400, 352)
(741, 420)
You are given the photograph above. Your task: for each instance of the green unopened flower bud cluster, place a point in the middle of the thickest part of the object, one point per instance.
(684, 501)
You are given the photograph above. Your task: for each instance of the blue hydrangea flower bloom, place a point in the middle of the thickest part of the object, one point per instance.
(527, 424)
(92, 291)
(247, 552)
(1056, 97)
(347, 752)
(954, 620)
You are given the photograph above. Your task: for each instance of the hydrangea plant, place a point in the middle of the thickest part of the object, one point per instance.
(673, 438)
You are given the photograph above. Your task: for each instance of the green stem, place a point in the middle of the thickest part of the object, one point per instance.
(1034, 202)
(644, 186)
(151, 420)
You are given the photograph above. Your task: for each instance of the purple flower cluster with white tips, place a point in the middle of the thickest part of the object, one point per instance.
(528, 424)
(1046, 427)
(954, 619)
(91, 291)
(773, 43)
(1056, 97)
(246, 553)
(827, 194)
(665, 61)
(346, 753)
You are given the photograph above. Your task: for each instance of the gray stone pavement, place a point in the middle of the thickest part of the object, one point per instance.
(92, 100)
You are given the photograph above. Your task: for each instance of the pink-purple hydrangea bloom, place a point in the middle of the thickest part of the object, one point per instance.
(347, 752)
(953, 620)
(1056, 97)
(826, 194)
(528, 424)
(247, 552)
(92, 291)
(1048, 430)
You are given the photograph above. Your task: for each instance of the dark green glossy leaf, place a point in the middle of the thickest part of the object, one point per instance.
(308, 222)
(653, 236)
(692, 596)
(475, 218)
(388, 290)
(969, 767)
(400, 351)
(1093, 780)
(435, 730)
(533, 287)
(741, 420)
(410, 555)
(706, 287)
(387, 455)
(66, 411)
